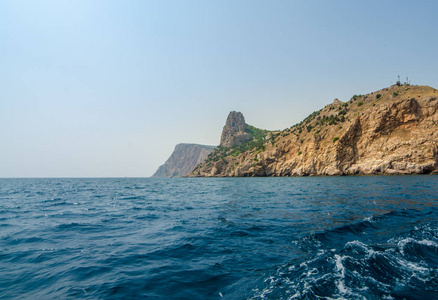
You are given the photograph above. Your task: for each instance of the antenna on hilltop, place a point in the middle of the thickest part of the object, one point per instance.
(398, 81)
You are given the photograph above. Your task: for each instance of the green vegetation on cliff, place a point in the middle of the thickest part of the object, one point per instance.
(368, 134)
(257, 143)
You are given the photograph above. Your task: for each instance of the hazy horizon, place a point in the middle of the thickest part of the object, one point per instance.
(108, 88)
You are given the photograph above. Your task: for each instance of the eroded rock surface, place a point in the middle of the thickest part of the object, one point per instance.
(234, 132)
(391, 131)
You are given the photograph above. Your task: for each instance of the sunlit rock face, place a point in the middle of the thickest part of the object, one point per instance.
(390, 131)
(234, 133)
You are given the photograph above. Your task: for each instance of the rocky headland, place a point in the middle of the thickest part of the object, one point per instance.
(183, 160)
(235, 131)
(390, 131)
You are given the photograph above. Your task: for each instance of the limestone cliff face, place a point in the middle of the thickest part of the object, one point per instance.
(183, 160)
(391, 131)
(234, 132)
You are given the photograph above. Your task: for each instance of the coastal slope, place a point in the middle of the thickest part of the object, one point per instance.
(390, 131)
(183, 160)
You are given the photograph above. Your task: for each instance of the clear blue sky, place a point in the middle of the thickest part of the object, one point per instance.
(108, 88)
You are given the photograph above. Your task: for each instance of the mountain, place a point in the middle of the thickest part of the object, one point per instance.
(390, 131)
(183, 160)
(235, 130)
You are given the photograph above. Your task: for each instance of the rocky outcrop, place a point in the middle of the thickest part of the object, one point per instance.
(234, 132)
(391, 131)
(183, 160)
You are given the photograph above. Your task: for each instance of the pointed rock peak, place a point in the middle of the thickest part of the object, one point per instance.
(234, 133)
(236, 121)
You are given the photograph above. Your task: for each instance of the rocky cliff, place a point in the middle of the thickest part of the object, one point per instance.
(234, 132)
(183, 160)
(390, 131)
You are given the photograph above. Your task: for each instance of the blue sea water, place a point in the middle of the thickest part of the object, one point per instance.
(230, 238)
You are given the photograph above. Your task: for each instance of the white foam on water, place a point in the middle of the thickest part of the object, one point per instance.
(428, 243)
(304, 279)
(340, 283)
(312, 271)
(339, 266)
(369, 219)
(402, 243)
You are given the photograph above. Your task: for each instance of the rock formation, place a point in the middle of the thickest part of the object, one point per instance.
(183, 160)
(390, 131)
(234, 132)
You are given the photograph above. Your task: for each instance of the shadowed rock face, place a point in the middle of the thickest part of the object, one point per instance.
(183, 160)
(234, 133)
(390, 131)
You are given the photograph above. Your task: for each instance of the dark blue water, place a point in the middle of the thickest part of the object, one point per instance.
(247, 238)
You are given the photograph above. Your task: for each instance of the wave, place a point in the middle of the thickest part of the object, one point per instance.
(347, 263)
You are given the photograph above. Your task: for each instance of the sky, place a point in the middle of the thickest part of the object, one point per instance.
(108, 88)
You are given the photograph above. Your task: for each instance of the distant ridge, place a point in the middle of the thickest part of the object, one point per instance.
(390, 131)
(183, 160)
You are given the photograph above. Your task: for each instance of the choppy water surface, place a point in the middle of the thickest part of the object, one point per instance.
(236, 238)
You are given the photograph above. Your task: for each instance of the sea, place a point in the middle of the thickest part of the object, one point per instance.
(365, 237)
